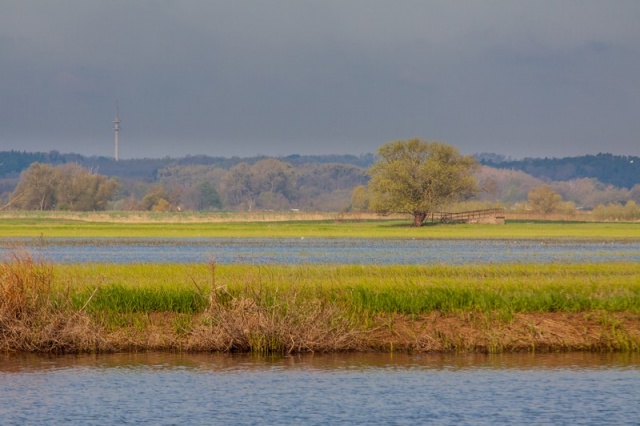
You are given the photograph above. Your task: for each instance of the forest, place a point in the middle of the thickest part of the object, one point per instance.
(617, 170)
(55, 181)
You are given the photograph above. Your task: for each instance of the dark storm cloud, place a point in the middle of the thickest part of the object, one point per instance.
(545, 78)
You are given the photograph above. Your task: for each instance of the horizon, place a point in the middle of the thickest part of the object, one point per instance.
(505, 158)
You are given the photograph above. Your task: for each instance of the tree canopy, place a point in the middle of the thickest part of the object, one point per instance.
(418, 177)
(260, 185)
(64, 187)
(544, 199)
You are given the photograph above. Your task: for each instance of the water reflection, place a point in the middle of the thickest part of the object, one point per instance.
(320, 389)
(25, 363)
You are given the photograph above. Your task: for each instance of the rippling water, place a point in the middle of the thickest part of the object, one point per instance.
(328, 250)
(335, 389)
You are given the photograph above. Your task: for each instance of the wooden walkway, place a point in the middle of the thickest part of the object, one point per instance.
(465, 217)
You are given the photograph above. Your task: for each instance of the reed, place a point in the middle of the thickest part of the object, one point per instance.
(34, 317)
(25, 285)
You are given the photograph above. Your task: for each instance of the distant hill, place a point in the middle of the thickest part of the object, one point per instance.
(618, 170)
(14, 162)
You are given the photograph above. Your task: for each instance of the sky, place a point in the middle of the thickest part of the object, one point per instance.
(252, 77)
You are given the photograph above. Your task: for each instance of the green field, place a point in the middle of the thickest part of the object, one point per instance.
(57, 228)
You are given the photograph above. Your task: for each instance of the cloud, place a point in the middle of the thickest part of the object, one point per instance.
(282, 77)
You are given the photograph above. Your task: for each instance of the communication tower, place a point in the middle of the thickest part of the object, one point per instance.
(116, 129)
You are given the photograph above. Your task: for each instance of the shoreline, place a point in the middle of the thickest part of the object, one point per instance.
(286, 309)
(466, 332)
(281, 310)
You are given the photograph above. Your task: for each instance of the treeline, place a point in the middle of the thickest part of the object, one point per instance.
(200, 182)
(12, 163)
(511, 187)
(618, 170)
(53, 181)
(267, 184)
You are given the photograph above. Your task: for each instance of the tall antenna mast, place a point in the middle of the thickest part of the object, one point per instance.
(116, 129)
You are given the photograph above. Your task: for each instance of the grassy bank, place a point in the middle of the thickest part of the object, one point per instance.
(51, 227)
(320, 308)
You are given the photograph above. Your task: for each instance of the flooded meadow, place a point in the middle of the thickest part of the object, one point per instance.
(374, 251)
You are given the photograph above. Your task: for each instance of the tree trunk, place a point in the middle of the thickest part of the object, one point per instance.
(418, 218)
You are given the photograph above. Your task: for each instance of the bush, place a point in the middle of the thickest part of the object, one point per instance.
(630, 211)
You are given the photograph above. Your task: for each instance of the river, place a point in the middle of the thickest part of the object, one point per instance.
(328, 250)
(164, 389)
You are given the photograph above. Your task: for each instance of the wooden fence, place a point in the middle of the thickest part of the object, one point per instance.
(466, 216)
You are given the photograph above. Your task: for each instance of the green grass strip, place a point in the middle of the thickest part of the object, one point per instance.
(50, 228)
(611, 287)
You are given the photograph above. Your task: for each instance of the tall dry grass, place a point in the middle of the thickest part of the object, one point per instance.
(244, 325)
(32, 316)
(261, 320)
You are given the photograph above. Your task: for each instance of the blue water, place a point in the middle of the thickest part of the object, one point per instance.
(336, 389)
(327, 250)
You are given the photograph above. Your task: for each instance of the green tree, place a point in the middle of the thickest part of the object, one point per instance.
(419, 177)
(238, 187)
(268, 183)
(36, 189)
(360, 198)
(631, 211)
(157, 199)
(544, 199)
(208, 197)
(634, 193)
(64, 187)
(79, 189)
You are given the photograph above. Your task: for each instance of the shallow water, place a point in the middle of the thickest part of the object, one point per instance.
(328, 250)
(331, 389)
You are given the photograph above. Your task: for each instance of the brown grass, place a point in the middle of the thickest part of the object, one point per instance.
(31, 319)
(245, 327)
(135, 217)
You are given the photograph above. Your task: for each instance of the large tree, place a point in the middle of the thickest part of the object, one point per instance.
(36, 189)
(419, 177)
(544, 199)
(82, 190)
(268, 183)
(64, 187)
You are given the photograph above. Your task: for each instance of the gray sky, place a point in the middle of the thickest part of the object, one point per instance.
(241, 77)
